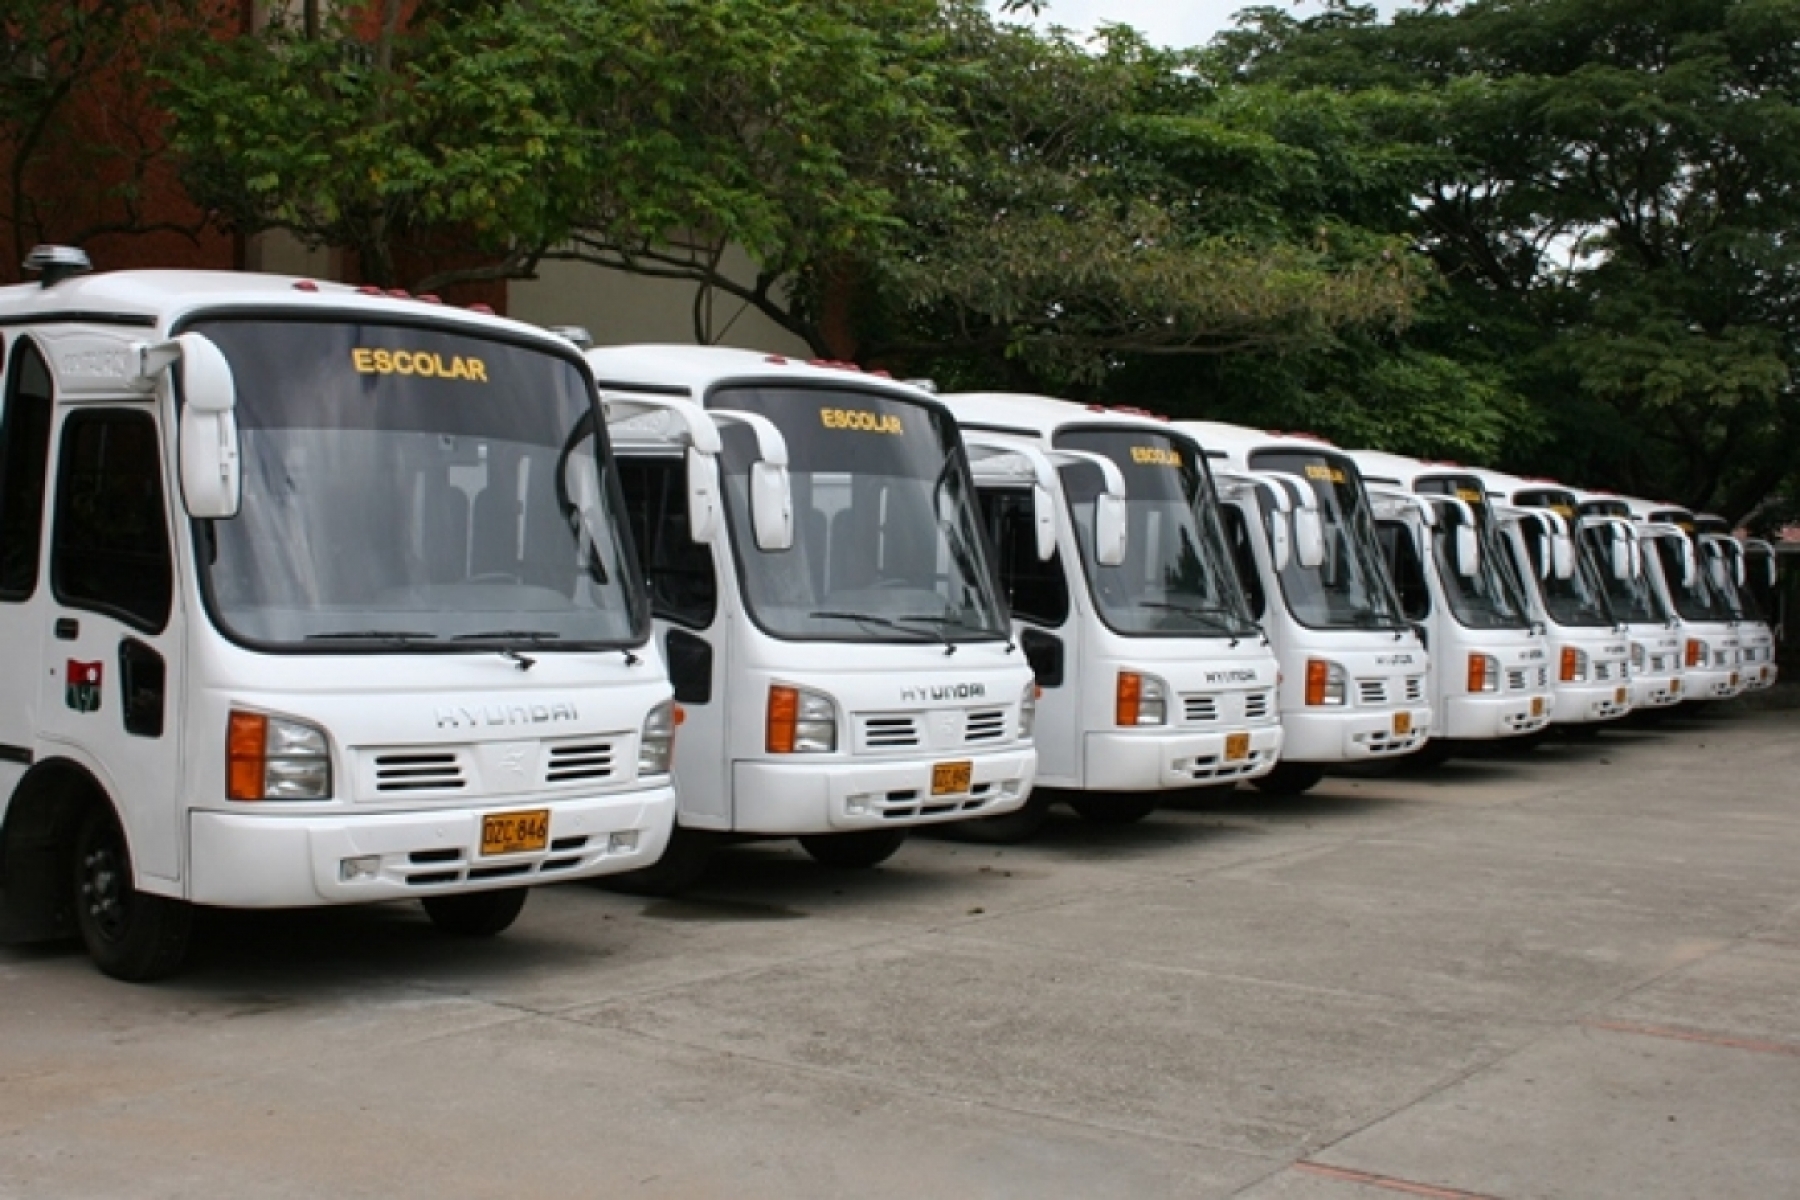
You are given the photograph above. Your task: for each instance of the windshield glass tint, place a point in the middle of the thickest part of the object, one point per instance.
(1177, 579)
(1722, 556)
(1633, 599)
(886, 544)
(1693, 600)
(1480, 592)
(1575, 602)
(406, 486)
(1349, 589)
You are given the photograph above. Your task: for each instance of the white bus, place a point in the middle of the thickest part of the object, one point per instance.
(1490, 674)
(1756, 635)
(1562, 578)
(1712, 641)
(1354, 670)
(308, 595)
(1657, 643)
(850, 677)
(1154, 674)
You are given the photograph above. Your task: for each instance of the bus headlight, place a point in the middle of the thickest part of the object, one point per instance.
(1696, 652)
(800, 721)
(1639, 656)
(1574, 665)
(274, 758)
(1140, 700)
(1028, 710)
(656, 745)
(1484, 673)
(1325, 683)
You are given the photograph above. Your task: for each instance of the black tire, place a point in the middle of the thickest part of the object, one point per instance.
(1020, 825)
(129, 934)
(476, 914)
(1290, 779)
(684, 863)
(867, 848)
(1115, 808)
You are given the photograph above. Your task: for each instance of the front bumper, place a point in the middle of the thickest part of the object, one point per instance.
(798, 796)
(270, 859)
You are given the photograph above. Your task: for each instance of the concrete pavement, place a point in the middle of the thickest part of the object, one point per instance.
(1564, 973)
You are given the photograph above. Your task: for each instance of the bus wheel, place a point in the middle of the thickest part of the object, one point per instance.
(866, 849)
(1020, 825)
(476, 914)
(1290, 779)
(1124, 808)
(130, 935)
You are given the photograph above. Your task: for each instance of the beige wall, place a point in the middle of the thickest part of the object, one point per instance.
(618, 308)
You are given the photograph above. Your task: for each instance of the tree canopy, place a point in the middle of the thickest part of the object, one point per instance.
(1556, 236)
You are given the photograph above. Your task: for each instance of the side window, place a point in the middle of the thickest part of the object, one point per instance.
(1408, 569)
(110, 551)
(1035, 590)
(678, 570)
(1243, 557)
(24, 453)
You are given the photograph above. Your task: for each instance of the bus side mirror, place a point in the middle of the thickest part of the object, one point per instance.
(1281, 545)
(1563, 555)
(771, 506)
(702, 496)
(212, 481)
(1309, 537)
(1622, 566)
(1109, 529)
(1468, 551)
(1043, 521)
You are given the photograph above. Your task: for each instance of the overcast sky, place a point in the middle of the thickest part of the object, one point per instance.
(1174, 23)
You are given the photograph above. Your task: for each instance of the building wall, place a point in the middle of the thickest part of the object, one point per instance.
(618, 308)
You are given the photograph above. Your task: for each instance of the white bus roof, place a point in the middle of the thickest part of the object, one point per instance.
(158, 299)
(700, 368)
(1236, 443)
(1042, 416)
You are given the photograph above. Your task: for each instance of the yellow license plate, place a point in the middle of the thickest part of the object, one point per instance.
(1674, 685)
(515, 832)
(1734, 679)
(1237, 747)
(1618, 695)
(1537, 706)
(1402, 724)
(952, 778)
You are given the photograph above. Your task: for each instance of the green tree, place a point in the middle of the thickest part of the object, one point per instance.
(1613, 216)
(911, 181)
(81, 137)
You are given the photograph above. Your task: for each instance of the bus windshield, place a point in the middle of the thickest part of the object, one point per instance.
(1632, 598)
(417, 487)
(1350, 588)
(1177, 579)
(1578, 601)
(886, 541)
(1694, 600)
(1491, 595)
(1481, 595)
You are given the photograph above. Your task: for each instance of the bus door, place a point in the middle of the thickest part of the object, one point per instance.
(112, 671)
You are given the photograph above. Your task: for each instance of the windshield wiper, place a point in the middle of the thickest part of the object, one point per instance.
(398, 637)
(867, 618)
(1217, 618)
(534, 636)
